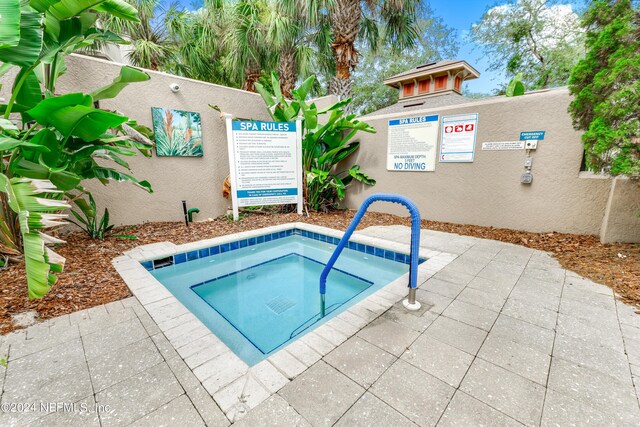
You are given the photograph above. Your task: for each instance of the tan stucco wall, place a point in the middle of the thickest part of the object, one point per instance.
(621, 222)
(195, 179)
(488, 191)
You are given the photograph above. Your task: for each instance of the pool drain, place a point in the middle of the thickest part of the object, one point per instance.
(280, 304)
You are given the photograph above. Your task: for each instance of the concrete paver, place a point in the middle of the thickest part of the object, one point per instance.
(505, 337)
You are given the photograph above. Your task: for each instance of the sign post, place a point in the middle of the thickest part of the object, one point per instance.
(265, 160)
(412, 143)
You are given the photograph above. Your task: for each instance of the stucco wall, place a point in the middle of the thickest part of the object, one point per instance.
(195, 179)
(621, 221)
(488, 191)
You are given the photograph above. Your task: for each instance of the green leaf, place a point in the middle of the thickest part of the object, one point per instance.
(7, 143)
(119, 9)
(71, 116)
(26, 52)
(9, 23)
(111, 174)
(303, 90)
(515, 86)
(44, 109)
(42, 5)
(28, 198)
(361, 176)
(29, 94)
(7, 124)
(63, 181)
(127, 75)
(63, 9)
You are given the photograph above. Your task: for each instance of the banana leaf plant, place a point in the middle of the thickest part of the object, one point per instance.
(327, 142)
(50, 144)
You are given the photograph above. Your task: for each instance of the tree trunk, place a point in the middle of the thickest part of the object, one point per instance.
(346, 17)
(251, 76)
(287, 71)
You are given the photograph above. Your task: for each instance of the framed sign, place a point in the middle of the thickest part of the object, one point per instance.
(265, 161)
(412, 144)
(458, 142)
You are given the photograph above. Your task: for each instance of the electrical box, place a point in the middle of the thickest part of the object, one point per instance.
(528, 161)
(526, 178)
(531, 144)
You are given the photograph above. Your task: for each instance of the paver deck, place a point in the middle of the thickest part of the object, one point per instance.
(505, 337)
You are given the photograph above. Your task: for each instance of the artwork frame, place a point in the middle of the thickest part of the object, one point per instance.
(178, 133)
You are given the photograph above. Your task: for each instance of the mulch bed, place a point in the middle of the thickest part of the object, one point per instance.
(89, 279)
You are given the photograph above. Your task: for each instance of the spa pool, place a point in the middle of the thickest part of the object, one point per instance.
(260, 293)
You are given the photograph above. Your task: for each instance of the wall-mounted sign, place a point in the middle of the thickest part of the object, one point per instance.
(412, 144)
(265, 161)
(458, 140)
(503, 145)
(536, 135)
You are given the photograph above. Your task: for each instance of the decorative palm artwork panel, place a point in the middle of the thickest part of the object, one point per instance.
(177, 133)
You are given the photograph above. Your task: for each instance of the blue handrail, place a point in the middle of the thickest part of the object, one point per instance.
(415, 241)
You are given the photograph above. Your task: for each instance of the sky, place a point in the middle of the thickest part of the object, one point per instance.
(460, 14)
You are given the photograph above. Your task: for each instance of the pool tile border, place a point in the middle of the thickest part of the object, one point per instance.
(212, 362)
(154, 264)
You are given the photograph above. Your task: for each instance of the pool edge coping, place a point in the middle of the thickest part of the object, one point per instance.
(222, 373)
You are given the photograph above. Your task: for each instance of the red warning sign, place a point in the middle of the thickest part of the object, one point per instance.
(459, 128)
(468, 127)
(448, 129)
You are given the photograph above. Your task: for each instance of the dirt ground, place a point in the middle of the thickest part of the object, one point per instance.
(89, 279)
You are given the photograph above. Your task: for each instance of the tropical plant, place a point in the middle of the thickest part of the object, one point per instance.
(326, 142)
(373, 22)
(539, 38)
(57, 141)
(149, 43)
(91, 223)
(248, 49)
(199, 39)
(302, 46)
(606, 86)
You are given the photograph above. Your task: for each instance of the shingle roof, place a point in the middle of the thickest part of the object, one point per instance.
(431, 101)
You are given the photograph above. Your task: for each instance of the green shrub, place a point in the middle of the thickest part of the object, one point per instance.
(56, 143)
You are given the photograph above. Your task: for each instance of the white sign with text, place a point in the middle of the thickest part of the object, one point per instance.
(458, 143)
(412, 144)
(266, 163)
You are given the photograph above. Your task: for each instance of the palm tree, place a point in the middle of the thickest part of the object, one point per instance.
(372, 22)
(150, 45)
(248, 50)
(199, 39)
(301, 46)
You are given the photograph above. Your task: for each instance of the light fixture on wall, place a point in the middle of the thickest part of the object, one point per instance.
(175, 87)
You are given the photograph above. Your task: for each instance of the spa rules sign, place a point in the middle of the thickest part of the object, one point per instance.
(266, 163)
(412, 144)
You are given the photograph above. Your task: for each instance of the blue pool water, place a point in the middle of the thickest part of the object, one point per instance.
(258, 298)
